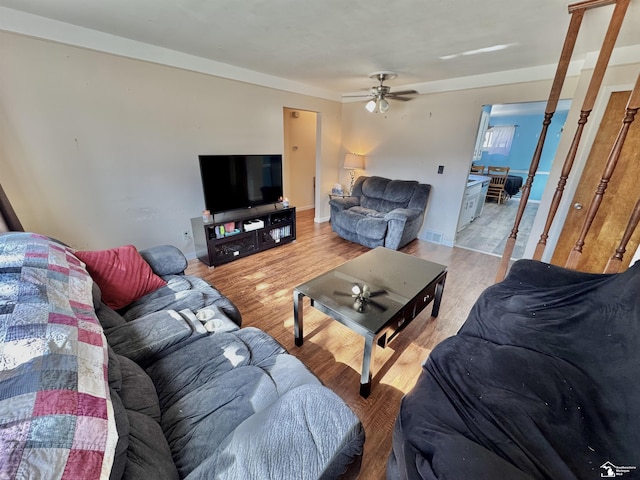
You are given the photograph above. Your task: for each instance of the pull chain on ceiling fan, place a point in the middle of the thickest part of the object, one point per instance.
(380, 94)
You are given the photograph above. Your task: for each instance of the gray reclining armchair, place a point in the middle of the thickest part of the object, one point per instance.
(381, 212)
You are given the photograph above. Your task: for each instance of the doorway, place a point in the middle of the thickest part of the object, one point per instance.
(300, 150)
(488, 229)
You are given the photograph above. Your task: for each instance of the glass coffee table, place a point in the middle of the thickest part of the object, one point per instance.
(376, 295)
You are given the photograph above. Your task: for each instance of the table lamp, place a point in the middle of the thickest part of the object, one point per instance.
(353, 162)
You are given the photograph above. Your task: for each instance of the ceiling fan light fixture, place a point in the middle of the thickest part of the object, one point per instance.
(377, 105)
(379, 95)
(383, 105)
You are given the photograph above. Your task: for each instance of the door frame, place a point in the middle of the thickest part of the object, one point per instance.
(288, 142)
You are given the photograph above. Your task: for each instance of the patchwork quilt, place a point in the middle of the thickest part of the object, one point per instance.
(56, 416)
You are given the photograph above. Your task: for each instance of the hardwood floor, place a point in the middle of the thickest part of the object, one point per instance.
(261, 286)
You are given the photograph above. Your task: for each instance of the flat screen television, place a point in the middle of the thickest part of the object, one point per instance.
(233, 182)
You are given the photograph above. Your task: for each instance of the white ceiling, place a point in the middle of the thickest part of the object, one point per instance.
(333, 45)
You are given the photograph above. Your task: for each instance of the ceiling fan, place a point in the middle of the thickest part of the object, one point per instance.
(380, 93)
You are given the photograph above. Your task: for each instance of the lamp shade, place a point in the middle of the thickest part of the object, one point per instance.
(353, 161)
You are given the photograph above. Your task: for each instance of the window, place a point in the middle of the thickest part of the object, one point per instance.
(498, 139)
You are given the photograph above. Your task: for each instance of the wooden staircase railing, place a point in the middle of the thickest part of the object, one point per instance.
(633, 105)
(577, 12)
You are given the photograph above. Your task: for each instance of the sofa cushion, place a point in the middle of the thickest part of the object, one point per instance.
(122, 425)
(369, 226)
(374, 187)
(309, 412)
(201, 362)
(148, 455)
(400, 191)
(121, 273)
(164, 299)
(108, 317)
(138, 393)
(384, 195)
(367, 212)
(149, 337)
(217, 383)
(181, 292)
(114, 372)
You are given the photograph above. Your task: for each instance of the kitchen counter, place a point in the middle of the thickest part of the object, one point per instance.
(475, 179)
(473, 202)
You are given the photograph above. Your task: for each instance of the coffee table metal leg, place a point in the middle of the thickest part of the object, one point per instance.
(438, 297)
(298, 316)
(367, 360)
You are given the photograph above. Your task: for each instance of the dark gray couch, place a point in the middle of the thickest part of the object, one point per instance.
(146, 392)
(539, 383)
(381, 212)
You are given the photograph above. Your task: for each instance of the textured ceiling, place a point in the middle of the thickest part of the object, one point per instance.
(336, 44)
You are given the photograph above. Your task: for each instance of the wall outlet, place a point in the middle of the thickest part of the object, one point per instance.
(186, 235)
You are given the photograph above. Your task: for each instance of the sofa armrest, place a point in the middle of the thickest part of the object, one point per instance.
(165, 260)
(403, 214)
(344, 203)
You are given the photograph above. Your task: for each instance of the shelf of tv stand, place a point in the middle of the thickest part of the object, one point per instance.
(215, 247)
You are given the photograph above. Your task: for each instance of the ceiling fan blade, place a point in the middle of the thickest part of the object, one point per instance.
(364, 95)
(401, 99)
(403, 92)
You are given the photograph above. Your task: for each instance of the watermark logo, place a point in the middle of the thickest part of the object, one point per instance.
(609, 470)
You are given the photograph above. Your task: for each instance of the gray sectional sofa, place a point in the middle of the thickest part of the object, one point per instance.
(381, 212)
(149, 391)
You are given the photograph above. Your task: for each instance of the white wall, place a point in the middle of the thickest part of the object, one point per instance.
(412, 139)
(99, 150)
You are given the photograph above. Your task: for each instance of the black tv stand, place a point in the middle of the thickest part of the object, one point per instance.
(238, 233)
